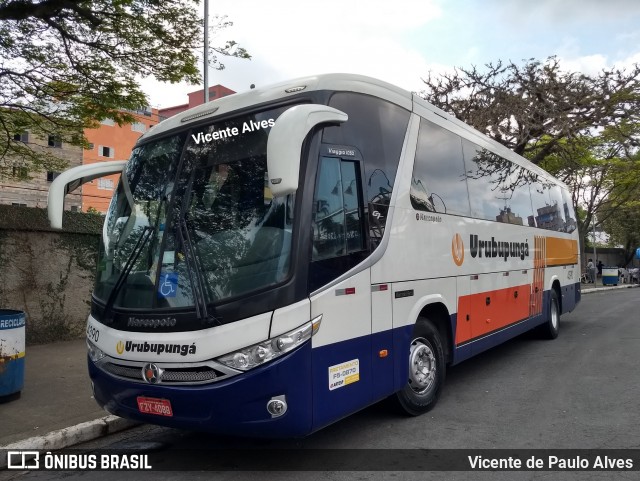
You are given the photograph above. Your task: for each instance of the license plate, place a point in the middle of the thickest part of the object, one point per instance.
(158, 407)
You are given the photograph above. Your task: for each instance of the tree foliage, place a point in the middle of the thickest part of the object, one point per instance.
(534, 107)
(599, 173)
(583, 129)
(622, 223)
(65, 65)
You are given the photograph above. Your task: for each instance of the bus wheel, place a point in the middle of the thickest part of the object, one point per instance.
(426, 370)
(550, 329)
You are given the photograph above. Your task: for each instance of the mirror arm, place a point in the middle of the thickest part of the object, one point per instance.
(73, 178)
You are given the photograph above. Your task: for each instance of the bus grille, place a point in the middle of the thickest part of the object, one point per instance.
(170, 375)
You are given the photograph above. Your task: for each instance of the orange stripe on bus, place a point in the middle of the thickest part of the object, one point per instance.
(481, 313)
(561, 251)
(537, 286)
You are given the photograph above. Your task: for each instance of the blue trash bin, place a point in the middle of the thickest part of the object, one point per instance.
(12, 341)
(610, 276)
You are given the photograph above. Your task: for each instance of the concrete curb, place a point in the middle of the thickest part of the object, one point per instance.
(609, 288)
(65, 437)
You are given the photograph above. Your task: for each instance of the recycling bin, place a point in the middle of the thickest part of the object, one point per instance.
(12, 354)
(610, 276)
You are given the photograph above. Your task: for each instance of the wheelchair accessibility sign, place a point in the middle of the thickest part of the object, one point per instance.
(168, 286)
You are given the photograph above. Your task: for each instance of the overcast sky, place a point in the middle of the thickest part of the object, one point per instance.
(400, 41)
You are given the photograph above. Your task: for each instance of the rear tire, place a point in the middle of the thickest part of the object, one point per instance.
(551, 328)
(426, 370)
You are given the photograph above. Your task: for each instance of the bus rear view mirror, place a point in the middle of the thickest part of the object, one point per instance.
(285, 143)
(73, 178)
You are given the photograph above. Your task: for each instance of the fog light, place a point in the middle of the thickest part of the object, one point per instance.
(277, 406)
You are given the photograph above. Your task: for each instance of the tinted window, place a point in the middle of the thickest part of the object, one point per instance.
(377, 128)
(557, 200)
(438, 183)
(514, 194)
(337, 226)
(489, 180)
(569, 213)
(547, 205)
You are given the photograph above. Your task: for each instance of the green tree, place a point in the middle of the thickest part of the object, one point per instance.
(583, 129)
(533, 108)
(599, 173)
(622, 223)
(67, 65)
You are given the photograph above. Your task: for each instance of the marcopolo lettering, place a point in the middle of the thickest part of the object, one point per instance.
(182, 349)
(152, 322)
(492, 248)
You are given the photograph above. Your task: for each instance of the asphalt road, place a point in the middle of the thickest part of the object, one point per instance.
(581, 390)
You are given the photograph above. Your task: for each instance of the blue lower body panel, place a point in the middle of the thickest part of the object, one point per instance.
(570, 297)
(235, 407)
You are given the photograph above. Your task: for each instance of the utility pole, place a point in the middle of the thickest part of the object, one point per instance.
(206, 51)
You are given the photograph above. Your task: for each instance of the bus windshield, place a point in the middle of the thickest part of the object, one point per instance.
(193, 220)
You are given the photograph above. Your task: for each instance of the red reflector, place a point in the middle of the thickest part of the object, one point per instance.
(350, 290)
(384, 287)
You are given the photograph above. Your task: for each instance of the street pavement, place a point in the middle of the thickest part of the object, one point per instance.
(56, 408)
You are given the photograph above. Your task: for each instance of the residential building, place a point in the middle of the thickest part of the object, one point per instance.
(196, 98)
(34, 191)
(111, 141)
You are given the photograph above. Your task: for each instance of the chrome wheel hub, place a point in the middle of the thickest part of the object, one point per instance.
(422, 366)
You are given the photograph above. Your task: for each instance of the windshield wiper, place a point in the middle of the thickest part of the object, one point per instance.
(198, 283)
(146, 233)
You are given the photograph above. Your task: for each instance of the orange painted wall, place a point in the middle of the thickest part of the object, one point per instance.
(119, 138)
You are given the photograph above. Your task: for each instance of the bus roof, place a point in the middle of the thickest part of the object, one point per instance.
(332, 82)
(282, 90)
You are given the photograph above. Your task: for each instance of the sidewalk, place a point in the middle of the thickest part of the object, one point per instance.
(56, 408)
(587, 288)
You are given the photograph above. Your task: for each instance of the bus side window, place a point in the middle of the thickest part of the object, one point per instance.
(548, 205)
(570, 215)
(337, 221)
(438, 183)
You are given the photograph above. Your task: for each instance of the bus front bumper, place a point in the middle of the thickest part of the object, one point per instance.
(237, 406)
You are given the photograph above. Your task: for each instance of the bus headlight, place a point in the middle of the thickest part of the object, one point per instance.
(95, 353)
(253, 356)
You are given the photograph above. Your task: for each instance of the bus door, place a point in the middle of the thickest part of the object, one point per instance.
(342, 347)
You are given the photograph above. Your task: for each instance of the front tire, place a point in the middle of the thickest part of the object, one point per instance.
(551, 328)
(426, 370)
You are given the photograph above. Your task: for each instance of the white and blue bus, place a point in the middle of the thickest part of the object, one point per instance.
(276, 260)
